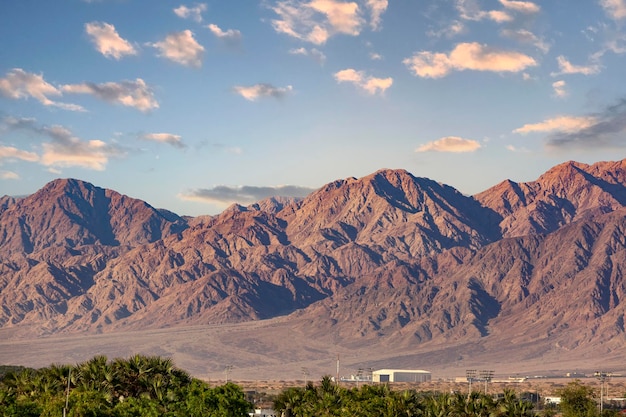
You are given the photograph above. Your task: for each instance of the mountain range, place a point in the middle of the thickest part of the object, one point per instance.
(390, 262)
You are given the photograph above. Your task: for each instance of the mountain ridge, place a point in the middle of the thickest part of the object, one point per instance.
(359, 262)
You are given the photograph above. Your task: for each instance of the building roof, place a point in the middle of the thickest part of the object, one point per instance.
(415, 371)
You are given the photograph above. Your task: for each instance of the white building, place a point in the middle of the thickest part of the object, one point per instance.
(400, 375)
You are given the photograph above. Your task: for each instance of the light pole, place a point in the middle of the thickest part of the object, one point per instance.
(227, 370)
(602, 376)
(471, 375)
(305, 372)
(486, 376)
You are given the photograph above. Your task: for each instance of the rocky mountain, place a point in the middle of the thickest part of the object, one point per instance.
(387, 257)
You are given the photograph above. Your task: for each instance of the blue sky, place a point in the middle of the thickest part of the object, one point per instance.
(192, 106)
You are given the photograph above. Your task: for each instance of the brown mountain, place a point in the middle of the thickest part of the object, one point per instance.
(388, 260)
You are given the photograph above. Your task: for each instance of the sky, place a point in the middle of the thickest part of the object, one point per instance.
(194, 106)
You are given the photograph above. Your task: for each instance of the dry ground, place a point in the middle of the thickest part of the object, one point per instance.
(276, 353)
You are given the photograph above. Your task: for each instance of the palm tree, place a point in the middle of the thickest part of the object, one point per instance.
(405, 404)
(440, 405)
(512, 406)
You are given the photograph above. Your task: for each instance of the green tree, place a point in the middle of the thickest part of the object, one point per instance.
(439, 405)
(512, 406)
(577, 400)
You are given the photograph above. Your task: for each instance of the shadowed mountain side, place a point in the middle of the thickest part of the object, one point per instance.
(74, 213)
(561, 290)
(565, 193)
(391, 212)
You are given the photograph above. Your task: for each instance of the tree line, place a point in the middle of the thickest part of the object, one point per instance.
(152, 386)
(328, 399)
(137, 386)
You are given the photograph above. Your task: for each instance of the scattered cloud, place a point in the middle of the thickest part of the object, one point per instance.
(467, 56)
(169, 138)
(231, 37)
(567, 67)
(64, 149)
(559, 88)
(11, 153)
(606, 129)
(560, 123)
(376, 8)
(194, 13)
(20, 84)
(9, 175)
(450, 144)
(316, 21)
(453, 29)
(245, 194)
(615, 9)
(469, 10)
(107, 41)
(526, 37)
(525, 7)
(370, 85)
(317, 55)
(516, 149)
(182, 48)
(128, 93)
(375, 56)
(254, 92)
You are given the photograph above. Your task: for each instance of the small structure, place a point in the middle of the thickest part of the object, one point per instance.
(400, 375)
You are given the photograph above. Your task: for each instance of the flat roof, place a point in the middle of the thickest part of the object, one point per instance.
(415, 371)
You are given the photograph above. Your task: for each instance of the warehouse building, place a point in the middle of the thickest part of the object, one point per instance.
(400, 375)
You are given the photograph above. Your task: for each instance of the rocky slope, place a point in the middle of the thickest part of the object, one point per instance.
(387, 257)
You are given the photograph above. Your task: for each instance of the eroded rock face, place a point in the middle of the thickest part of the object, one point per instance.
(385, 257)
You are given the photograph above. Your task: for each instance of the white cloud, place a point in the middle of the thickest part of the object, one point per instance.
(9, 175)
(254, 92)
(317, 20)
(377, 8)
(467, 56)
(169, 138)
(559, 88)
(604, 129)
(107, 41)
(317, 55)
(11, 153)
(182, 48)
(20, 84)
(375, 56)
(567, 67)
(370, 85)
(64, 149)
(527, 37)
(453, 29)
(231, 36)
(560, 123)
(615, 9)
(470, 11)
(516, 149)
(194, 13)
(450, 144)
(526, 7)
(128, 93)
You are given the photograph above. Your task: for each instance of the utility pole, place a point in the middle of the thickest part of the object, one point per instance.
(67, 393)
(486, 376)
(227, 370)
(471, 375)
(337, 378)
(602, 376)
